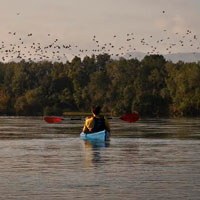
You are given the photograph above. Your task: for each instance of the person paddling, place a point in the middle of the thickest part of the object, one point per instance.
(97, 122)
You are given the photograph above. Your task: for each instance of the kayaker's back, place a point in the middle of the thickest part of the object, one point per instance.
(99, 124)
(96, 124)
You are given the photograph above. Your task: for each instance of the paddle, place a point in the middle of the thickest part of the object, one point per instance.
(52, 119)
(132, 117)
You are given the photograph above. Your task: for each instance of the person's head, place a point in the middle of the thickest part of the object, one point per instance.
(96, 109)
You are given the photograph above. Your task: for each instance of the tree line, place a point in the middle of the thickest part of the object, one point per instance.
(153, 86)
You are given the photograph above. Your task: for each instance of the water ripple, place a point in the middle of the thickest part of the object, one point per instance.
(150, 159)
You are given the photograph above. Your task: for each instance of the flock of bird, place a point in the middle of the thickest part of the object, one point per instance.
(27, 48)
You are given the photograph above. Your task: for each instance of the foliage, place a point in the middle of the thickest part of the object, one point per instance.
(153, 86)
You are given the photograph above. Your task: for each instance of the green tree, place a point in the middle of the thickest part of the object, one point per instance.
(121, 91)
(4, 102)
(184, 85)
(150, 87)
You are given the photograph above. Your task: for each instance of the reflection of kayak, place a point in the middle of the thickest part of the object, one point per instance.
(101, 135)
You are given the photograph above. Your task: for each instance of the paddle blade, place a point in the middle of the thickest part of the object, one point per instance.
(52, 120)
(132, 117)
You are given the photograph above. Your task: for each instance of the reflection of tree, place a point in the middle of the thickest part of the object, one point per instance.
(93, 152)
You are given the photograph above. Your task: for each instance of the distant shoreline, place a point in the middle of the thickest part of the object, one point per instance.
(86, 114)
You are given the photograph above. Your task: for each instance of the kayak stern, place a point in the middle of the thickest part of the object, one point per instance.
(101, 135)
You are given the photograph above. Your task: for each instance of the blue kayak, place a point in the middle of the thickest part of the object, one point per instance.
(101, 135)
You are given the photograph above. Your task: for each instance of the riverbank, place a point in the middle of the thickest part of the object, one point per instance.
(83, 114)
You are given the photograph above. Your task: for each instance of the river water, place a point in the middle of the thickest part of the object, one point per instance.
(149, 159)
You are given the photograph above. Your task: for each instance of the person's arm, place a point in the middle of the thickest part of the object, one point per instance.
(88, 125)
(107, 125)
(85, 129)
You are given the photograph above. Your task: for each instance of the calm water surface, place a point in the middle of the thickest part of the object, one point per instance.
(150, 159)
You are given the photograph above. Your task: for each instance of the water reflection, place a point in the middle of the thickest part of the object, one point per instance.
(92, 151)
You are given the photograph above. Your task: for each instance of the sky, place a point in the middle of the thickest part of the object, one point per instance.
(89, 27)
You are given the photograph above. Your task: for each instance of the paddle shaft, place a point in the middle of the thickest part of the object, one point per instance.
(132, 117)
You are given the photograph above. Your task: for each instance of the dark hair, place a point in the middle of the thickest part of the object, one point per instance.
(96, 109)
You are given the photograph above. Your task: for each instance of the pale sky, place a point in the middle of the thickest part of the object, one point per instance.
(155, 26)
